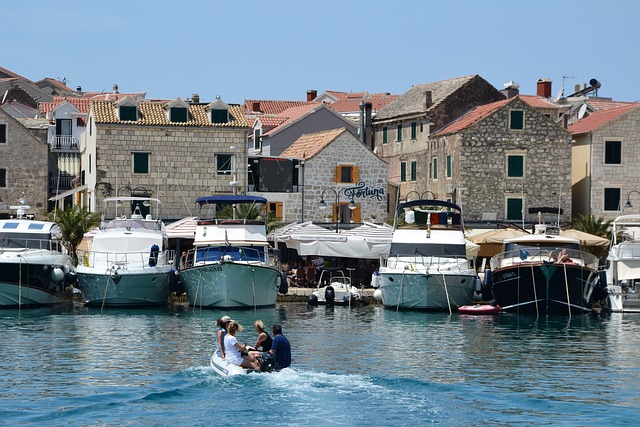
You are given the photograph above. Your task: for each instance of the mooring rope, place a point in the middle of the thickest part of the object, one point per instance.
(107, 275)
(535, 293)
(400, 293)
(566, 285)
(253, 286)
(446, 291)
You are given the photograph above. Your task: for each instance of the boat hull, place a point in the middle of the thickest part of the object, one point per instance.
(230, 285)
(544, 288)
(413, 290)
(128, 288)
(26, 279)
(621, 301)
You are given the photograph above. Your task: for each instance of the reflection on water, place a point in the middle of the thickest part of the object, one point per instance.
(504, 369)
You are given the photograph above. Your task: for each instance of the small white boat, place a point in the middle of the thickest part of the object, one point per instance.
(226, 369)
(623, 265)
(339, 291)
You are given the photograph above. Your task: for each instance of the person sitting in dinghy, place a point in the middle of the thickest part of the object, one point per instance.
(263, 343)
(234, 351)
(222, 331)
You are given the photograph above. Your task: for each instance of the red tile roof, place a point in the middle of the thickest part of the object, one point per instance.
(294, 113)
(82, 104)
(272, 107)
(378, 102)
(540, 102)
(600, 118)
(473, 117)
(310, 144)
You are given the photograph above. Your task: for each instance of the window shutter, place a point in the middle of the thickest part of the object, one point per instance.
(279, 211)
(356, 214)
(356, 174)
(338, 177)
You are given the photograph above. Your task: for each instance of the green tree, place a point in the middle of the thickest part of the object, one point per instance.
(596, 226)
(74, 222)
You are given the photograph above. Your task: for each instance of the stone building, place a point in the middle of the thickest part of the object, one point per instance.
(402, 128)
(501, 160)
(23, 166)
(342, 171)
(175, 151)
(605, 171)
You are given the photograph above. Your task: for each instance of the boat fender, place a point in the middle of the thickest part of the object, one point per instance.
(488, 280)
(329, 295)
(477, 284)
(57, 274)
(312, 300)
(153, 255)
(377, 294)
(71, 278)
(283, 286)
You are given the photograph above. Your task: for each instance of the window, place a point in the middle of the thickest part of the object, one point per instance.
(448, 165)
(275, 211)
(435, 168)
(399, 133)
(224, 164)
(347, 173)
(515, 166)
(403, 171)
(219, 116)
(516, 120)
(257, 143)
(128, 112)
(514, 209)
(611, 199)
(178, 115)
(613, 152)
(385, 137)
(3, 133)
(414, 170)
(3, 178)
(414, 131)
(140, 162)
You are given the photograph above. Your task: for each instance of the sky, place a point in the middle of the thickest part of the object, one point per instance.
(279, 49)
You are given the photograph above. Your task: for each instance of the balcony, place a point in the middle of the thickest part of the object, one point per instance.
(64, 143)
(64, 182)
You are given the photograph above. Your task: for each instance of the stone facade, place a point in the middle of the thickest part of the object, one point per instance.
(182, 165)
(23, 157)
(479, 179)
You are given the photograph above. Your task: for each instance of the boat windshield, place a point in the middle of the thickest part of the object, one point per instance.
(540, 247)
(25, 240)
(131, 224)
(236, 253)
(432, 249)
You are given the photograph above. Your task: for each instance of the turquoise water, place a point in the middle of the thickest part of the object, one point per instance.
(360, 366)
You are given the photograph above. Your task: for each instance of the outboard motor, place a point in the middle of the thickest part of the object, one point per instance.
(153, 256)
(268, 363)
(312, 300)
(329, 295)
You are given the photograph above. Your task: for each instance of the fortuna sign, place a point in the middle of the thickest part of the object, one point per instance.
(362, 190)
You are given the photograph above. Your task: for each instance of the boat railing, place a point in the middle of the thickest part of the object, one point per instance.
(422, 262)
(239, 254)
(20, 243)
(542, 255)
(125, 260)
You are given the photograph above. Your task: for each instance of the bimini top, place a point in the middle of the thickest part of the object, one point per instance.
(429, 202)
(229, 200)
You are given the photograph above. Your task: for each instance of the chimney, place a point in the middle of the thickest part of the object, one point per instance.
(256, 107)
(195, 98)
(428, 100)
(368, 124)
(544, 88)
(115, 88)
(511, 89)
(79, 89)
(311, 95)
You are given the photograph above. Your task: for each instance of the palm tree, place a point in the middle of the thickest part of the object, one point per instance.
(596, 226)
(74, 222)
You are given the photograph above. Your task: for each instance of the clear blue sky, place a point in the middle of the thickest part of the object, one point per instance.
(277, 49)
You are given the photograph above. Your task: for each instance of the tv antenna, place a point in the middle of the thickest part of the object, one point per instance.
(564, 78)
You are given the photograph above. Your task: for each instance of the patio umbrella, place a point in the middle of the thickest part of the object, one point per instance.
(586, 239)
(490, 241)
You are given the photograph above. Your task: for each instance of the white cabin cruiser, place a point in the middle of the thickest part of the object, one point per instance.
(623, 265)
(128, 264)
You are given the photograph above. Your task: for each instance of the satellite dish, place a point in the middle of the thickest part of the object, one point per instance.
(582, 111)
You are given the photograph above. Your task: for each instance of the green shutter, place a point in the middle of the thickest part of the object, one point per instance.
(449, 166)
(611, 199)
(385, 137)
(515, 166)
(435, 168)
(178, 115)
(219, 116)
(517, 119)
(140, 162)
(399, 133)
(514, 209)
(414, 132)
(128, 113)
(414, 171)
(403, 171)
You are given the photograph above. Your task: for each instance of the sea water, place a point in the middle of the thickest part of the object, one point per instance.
(357, 366)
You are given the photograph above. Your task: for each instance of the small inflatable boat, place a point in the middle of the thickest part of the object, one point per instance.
(222, 367)
(479, 309)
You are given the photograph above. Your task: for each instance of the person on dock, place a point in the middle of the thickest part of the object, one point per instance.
(237, 354)
(280, 348)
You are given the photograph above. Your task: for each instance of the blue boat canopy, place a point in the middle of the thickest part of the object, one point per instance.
(229, 200)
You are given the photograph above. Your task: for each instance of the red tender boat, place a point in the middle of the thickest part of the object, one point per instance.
(479, 309)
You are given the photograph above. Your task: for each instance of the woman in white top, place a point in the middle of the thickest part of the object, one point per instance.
(233, 350)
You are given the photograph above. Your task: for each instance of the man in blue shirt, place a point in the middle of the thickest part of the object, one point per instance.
(280, 348)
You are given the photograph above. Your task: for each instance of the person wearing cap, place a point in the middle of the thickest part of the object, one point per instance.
(222, 331)
(234, 351)
(280, 348)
